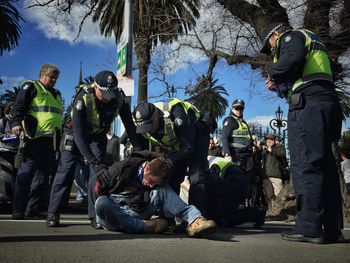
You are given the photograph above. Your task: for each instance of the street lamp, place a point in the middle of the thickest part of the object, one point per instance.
(279, 123)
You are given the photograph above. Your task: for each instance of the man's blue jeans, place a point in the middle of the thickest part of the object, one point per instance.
(116, 217)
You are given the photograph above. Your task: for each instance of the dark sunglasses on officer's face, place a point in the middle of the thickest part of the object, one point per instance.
(239, 108)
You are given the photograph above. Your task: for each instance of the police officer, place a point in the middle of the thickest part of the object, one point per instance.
(62, 184)
(236, 137)
(301, 73)
(38, 113)
(94, 109)
(228, 188)
(184, 137)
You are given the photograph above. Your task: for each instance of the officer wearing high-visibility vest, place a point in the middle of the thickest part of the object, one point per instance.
(228, 188)
(38, 113)
(62, 184)
(301, 73)
(94, 110)
(236, 137)
(184, 137)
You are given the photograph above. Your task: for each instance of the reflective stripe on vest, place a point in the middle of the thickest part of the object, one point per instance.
(47, 110)
(169, 138)
(241, 137)
(317, 65)
(222, 163)
(92, 115)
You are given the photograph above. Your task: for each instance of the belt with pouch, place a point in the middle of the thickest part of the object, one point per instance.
(297, 100)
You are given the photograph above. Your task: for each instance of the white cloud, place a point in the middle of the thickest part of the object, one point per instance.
(10, 82)
(66, 27)
(263, 120)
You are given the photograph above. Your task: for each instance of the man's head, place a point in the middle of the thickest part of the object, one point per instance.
(156, 172)
(271, 139)
(106, 86)
(48, 75)
(238, 107)
(271, 33)
(147, 117)
(211, 144)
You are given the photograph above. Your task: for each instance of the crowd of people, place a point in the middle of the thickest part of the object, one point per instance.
(227, 185)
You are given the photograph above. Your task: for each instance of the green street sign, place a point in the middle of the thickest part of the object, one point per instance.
(121, 59)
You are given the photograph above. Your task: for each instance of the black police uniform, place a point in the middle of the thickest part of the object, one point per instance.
(226, 194)
(239, 155)
(313, 126)
(32, 182)
(93, 147)
(193, 137)
(62, 184)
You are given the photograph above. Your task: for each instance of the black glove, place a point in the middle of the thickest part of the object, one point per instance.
(102, 175)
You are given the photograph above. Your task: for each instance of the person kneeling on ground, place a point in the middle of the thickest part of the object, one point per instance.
(228, 187)
(132, 191)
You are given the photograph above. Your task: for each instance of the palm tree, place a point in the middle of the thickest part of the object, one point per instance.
(344, 98)
(88, 80)
(206, 96)
(154, 22)
(9, 26)
(9, 95)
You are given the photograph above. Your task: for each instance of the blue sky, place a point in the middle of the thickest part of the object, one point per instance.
(40, 44)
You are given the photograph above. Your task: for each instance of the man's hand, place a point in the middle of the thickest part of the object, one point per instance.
(228, 157)
(17, 130)
(103, 176)
(270, 84)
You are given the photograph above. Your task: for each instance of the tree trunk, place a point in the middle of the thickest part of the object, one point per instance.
(143, 85)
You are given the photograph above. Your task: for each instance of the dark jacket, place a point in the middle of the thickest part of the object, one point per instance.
(274, 161)
(125, 180)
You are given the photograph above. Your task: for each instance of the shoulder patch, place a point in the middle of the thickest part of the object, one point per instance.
(225, 123)
(178, 122)
(138, 115)
(26, 86)
(287, 39)
(79, 105)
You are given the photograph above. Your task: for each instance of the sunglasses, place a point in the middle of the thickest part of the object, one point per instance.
(239, 108)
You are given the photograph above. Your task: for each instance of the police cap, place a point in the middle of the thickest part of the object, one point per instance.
(144, 115)
(107, 83)
(269, 30)
(238, 104)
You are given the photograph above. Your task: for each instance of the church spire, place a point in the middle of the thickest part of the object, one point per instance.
(81, 73)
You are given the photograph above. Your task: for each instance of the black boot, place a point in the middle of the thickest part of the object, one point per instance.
(53, 220)
(248, 214)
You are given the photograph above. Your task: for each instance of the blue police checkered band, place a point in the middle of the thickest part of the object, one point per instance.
(107, 88)
(271, 32)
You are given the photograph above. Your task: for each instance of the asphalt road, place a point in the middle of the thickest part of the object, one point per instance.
(76, 241)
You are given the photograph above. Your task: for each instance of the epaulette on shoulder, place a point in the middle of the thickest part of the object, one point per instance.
(28, 84)
(86, 88)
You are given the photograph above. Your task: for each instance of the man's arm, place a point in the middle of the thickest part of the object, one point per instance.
(79, 129)
(291, 59)
(185, 132)
(137, 140)
(278, 151)
(228, 126)
(21, 106)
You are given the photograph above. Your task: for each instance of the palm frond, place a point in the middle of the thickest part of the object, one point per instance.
(10, 29)
(342, 90)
